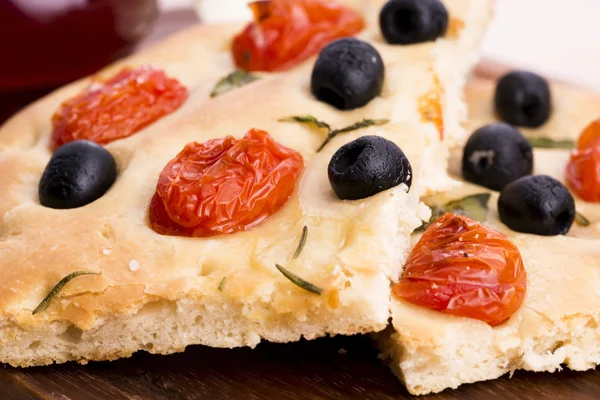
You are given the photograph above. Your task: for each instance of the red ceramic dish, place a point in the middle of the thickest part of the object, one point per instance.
(47, 43)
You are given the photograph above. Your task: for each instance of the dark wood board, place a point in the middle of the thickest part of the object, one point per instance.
(324, 369)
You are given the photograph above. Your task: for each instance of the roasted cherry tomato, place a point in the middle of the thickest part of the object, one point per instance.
(590, 137)
(224, 185)
(583, 169)
(462, 268)
(286, 32)
(117, 108)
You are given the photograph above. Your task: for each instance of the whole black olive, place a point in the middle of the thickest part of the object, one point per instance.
(495, 155)
(348, 74)
(539, 205)
(523, 99)
(78, 173)
(367, 166)
(413, 21)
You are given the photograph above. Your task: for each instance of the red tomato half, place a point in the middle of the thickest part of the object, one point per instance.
(117, 108)
(224, 185)
(583, 169)
(463, 268)
(287, 32)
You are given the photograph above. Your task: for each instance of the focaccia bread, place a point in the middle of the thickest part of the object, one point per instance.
(576, 108)
(557, 325)
(468, 22)
(161, 293)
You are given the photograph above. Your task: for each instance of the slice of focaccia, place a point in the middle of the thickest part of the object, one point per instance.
(468, 20)
(161, 293)
(576, 108)
(558, 322)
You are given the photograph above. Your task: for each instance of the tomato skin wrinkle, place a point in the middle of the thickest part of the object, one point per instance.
(583, 169)
(224, 185)
(286, 32)
(488, 285)
(118, 107)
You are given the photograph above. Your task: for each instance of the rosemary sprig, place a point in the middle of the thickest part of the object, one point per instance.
(361, 124)
(547, 143)
(222, 284)
(302, 242)
(42, 306)
(296, 280)
(234, 80)
(358, 125)
(581, 220)
(306, 119)
(331, 133)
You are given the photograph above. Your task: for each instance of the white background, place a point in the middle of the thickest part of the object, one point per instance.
(559, 38)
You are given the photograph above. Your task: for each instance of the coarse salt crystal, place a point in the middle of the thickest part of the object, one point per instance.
(134, 265)
(106, 252)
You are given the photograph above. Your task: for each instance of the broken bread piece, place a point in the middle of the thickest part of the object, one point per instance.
(557, 324)
(160, 293)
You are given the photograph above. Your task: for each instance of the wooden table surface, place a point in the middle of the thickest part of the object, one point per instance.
(328, 368)
(323, 369)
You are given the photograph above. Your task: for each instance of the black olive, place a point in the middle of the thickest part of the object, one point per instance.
(413, 21)
(496, 155)
(539, 204)
(523, 99)
(367, 166)
(78, 173)
(348, 74)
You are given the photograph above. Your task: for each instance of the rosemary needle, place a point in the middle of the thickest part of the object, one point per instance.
(302, 242)
(296, 280)
(306, 119)
(42, 306)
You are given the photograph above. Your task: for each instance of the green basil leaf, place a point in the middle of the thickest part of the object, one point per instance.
(234, 80)
(473, 206)
(547, 143)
